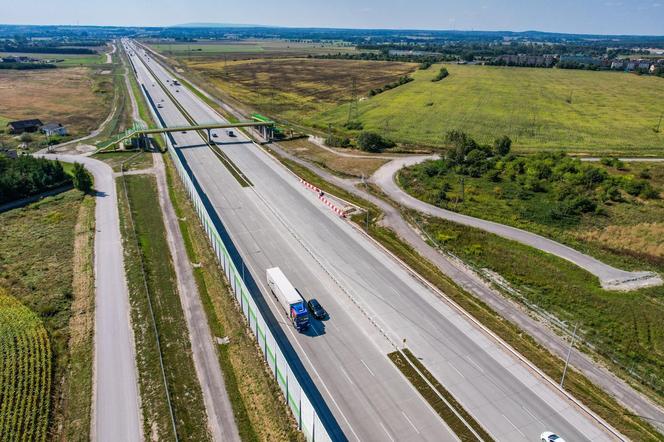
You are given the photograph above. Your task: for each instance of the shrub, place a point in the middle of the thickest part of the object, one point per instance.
(443, 73)
(354, 125)
(336, 141)
(502, 145)
(82, 178)
(26, 137)
(373, 142)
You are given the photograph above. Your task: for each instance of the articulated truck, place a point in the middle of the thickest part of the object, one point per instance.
(289, 299)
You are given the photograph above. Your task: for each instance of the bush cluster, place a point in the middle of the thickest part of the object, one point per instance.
(574, 187)
(402, 80)
(443, 73)
(373, 142)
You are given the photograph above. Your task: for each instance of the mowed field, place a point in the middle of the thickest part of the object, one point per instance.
(244, 49)
(73, 97)
(577, 111)
(294, 88)
(64, 60)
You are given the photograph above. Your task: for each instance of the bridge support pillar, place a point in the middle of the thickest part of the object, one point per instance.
(209, 135)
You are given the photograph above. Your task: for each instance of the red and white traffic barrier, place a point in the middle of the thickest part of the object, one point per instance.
(310, 186)
(321, 196)
(332, 206)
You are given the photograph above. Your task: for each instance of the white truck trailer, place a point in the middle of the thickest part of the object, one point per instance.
(289, 299)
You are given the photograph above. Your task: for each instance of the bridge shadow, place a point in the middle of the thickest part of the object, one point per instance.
(300, 372)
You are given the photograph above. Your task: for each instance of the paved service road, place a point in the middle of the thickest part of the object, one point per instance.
(116, 407)
(611, 278)
(373, 302)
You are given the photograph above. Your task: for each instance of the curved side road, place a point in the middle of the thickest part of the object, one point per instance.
(116, 404)
(610, 277)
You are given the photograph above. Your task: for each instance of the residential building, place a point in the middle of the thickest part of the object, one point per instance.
(20, 126)
(52, 129)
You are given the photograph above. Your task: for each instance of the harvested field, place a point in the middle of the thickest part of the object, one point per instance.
(68, 96)
(292, 88)
(245, 49)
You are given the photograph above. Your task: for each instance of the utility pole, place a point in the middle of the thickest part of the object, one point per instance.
(463, 191)
(660, 121)
(569, 352)
(352, 109)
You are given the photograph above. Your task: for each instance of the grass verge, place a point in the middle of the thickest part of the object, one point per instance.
(259, 409)
(423, 384)
(78, 386)
(576, 384)
(169, 334)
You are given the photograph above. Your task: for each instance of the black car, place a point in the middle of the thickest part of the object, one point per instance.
(316, 309)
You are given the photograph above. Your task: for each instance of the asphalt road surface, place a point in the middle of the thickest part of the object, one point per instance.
(374, 303)
(116, 405)
(610, 277)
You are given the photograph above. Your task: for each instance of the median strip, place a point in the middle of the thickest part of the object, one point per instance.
(230, 166)
(443, 403)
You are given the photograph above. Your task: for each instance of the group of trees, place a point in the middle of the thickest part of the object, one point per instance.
(367, 141)
(26, 176)
(402, 80)
(443, 73)
(574, 187)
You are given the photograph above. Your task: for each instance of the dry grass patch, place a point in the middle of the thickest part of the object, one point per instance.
(68, 96)
(356, 167)
(644, 238)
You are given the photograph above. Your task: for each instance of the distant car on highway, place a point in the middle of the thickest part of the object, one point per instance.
(317, 310)
(160, 105)
(230, 133)
(548, 436)
(215, 136)
(177, 90)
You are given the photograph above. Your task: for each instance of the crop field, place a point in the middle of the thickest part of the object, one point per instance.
(68, 96)
(292, 88)
(25, 372)
(576, 111)
(36, 267)
(244, 49)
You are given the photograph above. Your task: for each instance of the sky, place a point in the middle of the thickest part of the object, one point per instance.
(643, 17)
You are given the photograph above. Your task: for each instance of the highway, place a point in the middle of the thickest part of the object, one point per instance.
(374, 304)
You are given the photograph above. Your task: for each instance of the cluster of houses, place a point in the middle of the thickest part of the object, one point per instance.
(34, 125)
(547, 61)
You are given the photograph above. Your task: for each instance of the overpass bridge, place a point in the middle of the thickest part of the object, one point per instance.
(140, 131)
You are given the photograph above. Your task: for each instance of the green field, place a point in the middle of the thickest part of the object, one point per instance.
(577, 111)
(68, 60)
(25, 372)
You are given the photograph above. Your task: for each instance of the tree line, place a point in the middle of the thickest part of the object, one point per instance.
(26, 176)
